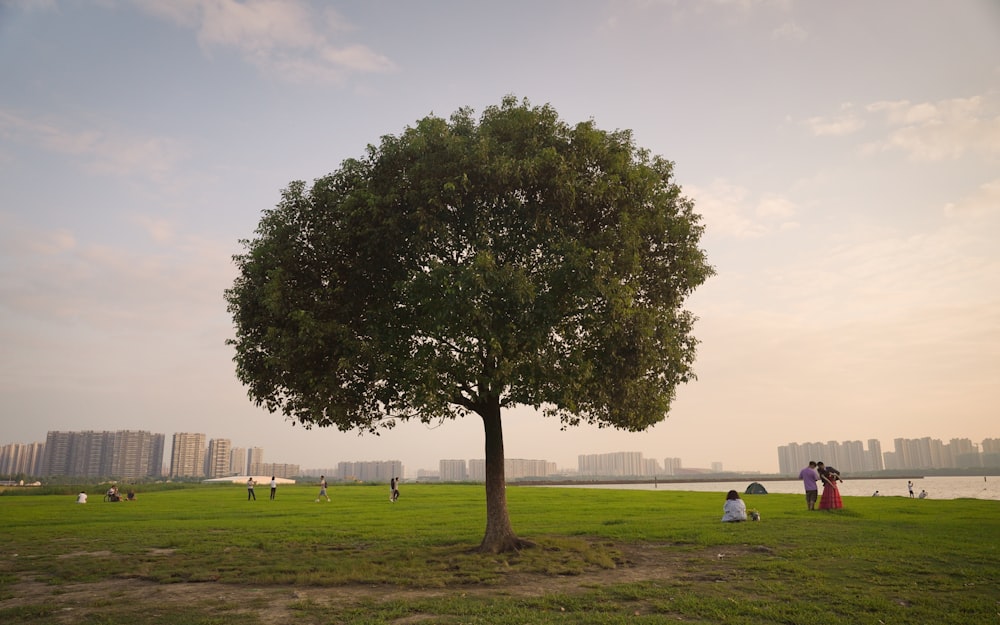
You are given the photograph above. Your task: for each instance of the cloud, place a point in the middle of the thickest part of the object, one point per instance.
(772, 205)
(285, 39)
(158, 229)
(936, 131)
(30, 5)
(102, 151)
(882, 275)
(845, 122)
(57, 277)
(52, 243)
(789, 31)
(984, 201)
(753, 4)
(730, 211)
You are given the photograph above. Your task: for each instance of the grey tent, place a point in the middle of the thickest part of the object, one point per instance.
(756, 489)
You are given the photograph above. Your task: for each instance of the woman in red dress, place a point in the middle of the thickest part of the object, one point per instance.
(830, 499)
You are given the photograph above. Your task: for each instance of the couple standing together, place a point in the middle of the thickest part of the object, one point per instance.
(811, 476)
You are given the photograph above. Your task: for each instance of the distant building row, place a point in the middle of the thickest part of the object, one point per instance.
(130, 455)
(920, 453)
(616, 464)
(192, 457)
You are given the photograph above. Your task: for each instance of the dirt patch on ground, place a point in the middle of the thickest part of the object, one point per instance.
(80, 554)
(272, 605)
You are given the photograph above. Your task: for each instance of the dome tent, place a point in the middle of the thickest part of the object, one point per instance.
(756, 489)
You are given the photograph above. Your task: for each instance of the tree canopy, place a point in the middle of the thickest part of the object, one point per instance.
(472, 265)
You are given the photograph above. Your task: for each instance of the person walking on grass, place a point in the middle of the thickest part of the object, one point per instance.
(394, 489)
(250, 485)
(810, 478)
(322, 489)
(274, 487)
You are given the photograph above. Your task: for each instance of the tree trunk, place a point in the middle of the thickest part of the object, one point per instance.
(499, 535)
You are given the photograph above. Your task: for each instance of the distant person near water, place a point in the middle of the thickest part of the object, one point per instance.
(923, 494)
(274, 487)
(734, 509)
(322, 489)
(909, 487)
(831, 494)
(810, 477)
(875, 494)
(250, 493)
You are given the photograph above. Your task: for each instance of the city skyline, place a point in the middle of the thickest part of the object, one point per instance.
(846, 171)
(192, 456)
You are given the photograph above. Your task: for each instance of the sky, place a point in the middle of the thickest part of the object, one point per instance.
(845, 159)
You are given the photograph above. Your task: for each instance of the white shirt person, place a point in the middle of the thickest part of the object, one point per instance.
(734, 509)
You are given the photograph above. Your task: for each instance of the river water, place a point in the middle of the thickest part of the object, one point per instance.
(936, 487)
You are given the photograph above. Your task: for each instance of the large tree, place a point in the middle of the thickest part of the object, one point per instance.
(467, 266)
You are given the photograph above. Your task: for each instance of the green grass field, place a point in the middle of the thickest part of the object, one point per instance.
(204, 555)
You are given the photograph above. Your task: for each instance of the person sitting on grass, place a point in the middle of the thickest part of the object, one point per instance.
(734, 508)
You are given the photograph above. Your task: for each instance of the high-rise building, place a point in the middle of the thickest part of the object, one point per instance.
(125, 454)
(513, 469)
(89, 457)
(616, 464)
(255, 458)
(851, 457)
(55, 458)
(965, 454)
(277, 469)
(477, 470)
(136, 454)
(908, 454)
(21, 459)
(991, 452)
(518, 468)
(238, 461)
(875, 461)
(651, 466)
(75, 454)
(217, 458)
(369, 471)
(452, 471)
(187, 458)
(671, 466)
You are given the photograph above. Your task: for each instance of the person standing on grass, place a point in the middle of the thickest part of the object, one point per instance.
(250, 485)
(909, 487)
(810, 477)
(322, 488)
(274, 487)
(831, 494)
(394, 483)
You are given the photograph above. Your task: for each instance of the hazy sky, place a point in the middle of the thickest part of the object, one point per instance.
(845, 157)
